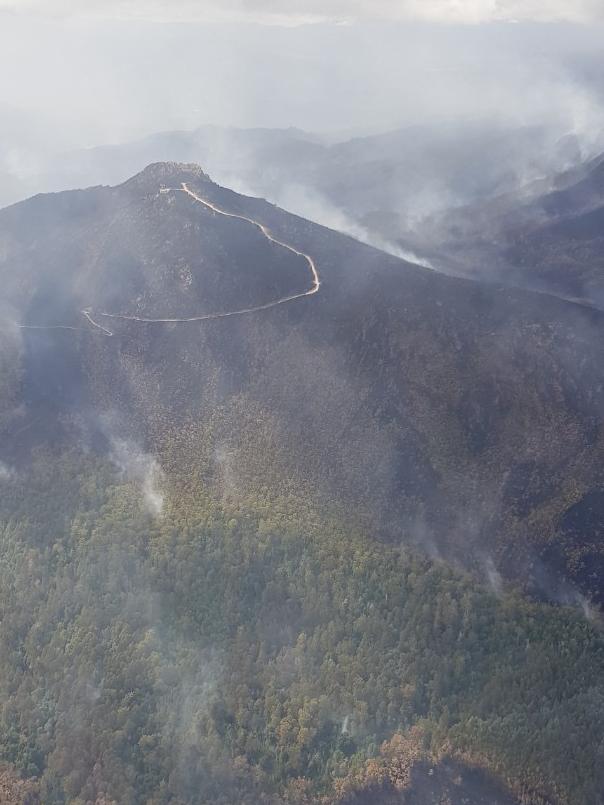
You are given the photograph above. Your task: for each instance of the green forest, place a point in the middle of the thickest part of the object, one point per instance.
(266, 652)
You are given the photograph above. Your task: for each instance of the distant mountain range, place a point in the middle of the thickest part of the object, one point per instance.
(547, 238)
(375, 187)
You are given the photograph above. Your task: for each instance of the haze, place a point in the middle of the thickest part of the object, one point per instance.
(107, 72)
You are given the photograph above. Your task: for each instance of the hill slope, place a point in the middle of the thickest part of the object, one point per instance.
(550, 241)
(228, 498)
(409, 393)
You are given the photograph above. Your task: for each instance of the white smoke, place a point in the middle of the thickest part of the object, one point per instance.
(312, 205)
(586, 608)
(143, 469)
(6, 472)
(493, 577)
(225, 461)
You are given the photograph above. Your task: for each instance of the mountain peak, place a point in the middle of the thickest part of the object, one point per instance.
(169, 174)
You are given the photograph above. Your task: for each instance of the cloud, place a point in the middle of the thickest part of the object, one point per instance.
(164, 11)
(271, 12)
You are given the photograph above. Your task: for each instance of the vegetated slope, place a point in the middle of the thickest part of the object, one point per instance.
(14, 791)
(550, 241)
(270, 466)
(103, 249)
(228, 652)
(563, 249)
(456, 414)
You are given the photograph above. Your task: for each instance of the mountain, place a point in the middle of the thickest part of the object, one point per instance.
(561, 248)
(230, 152)
(549, 241)
(420, 380)
(376, 187)
(273, 503)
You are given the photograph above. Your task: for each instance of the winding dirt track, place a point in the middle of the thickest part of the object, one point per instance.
(86, 313)
(316, 284)
(49, 327)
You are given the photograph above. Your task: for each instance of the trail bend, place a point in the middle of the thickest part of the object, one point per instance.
(316, 284)
(316, 281)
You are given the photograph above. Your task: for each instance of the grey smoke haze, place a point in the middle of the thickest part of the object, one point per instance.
(310, 11)
(75, 75)
(310, 204)
(6, 473)
(81, 74)
(141, 468)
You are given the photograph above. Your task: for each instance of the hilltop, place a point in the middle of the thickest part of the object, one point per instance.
(266, 534)
(407, 392)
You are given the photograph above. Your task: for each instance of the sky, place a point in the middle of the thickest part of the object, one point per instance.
(285, 12)
(77, 73)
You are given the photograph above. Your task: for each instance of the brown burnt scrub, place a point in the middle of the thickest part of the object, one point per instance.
(16, 791)
(405, 773)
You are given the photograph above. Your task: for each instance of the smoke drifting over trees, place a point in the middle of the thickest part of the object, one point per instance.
(290, 512)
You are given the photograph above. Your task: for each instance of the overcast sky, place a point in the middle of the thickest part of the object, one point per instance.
(84, 72)
(305, 11)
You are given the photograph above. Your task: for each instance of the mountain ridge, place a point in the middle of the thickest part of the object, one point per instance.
(246, 512)
(363, 291)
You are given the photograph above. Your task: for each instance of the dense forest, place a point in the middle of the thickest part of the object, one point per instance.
(262, 652)
(459, 414)
(302, 431)
(339, 551)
